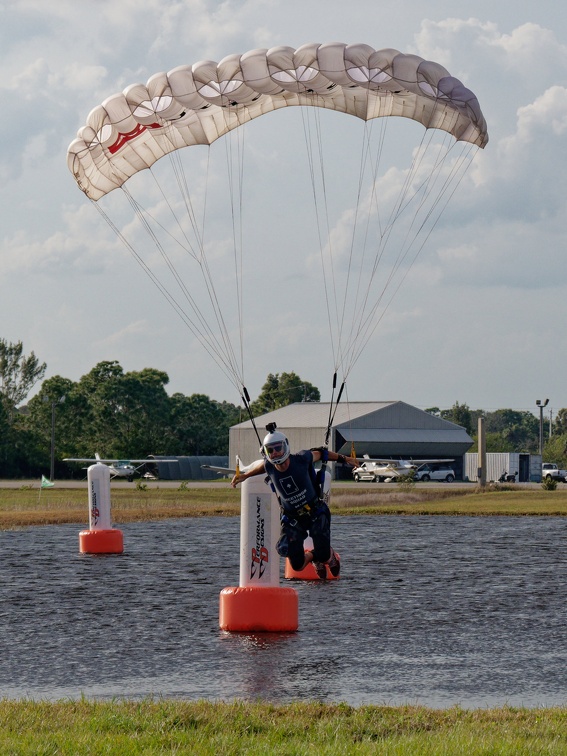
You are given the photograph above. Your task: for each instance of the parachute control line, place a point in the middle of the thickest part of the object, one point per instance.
(101, 537)
(259, 603)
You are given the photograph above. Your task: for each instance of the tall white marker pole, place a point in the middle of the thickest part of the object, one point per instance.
(101, 537)
(259, 533)
(259, 604)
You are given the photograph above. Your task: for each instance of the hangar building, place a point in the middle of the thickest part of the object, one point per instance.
(393, 430)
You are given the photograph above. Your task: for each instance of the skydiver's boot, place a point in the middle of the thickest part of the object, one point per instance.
(320, 568)
(334, 564)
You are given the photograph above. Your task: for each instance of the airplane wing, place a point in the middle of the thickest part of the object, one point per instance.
(230, 470)
(430, 461)
(398, 462)
(227, 470)
(114, 461)
(81, 459)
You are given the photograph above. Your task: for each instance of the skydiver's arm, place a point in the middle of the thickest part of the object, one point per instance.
(257, 468)
(334, 457)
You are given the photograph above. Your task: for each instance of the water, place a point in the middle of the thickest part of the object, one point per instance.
(430, 610)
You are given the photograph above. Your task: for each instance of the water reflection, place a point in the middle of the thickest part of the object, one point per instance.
(433, 610)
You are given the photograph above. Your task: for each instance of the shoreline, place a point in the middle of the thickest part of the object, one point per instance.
(27, 506)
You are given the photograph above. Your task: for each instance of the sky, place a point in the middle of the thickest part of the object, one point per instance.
(478, 318)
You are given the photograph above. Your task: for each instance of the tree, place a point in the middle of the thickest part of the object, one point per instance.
(55, 403)
(434, 411)
(199, 425)
(125, 414)
(18, 373)
(518, 429)
(281, 390)
(560, 423)
(459, 414)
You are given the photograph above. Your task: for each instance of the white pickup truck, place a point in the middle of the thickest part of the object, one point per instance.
(550, 470)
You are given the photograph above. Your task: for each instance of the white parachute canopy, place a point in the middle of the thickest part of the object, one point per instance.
(195, 105)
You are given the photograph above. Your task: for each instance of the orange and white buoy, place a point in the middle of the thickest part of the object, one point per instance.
(101, 537)
(259, 603)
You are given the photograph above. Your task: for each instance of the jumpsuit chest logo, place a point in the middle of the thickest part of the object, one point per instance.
(289, 485)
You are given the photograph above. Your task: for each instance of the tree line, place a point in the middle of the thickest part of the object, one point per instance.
(118, 414)
(509, 430)
(130, 415)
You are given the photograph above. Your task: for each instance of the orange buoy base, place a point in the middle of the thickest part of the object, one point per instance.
(108, 541)
(268, 609)
(307, 573)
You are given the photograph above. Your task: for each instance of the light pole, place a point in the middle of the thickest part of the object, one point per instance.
(541, 405)
(53, 404)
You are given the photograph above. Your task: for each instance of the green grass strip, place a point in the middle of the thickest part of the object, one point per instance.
(199, 728)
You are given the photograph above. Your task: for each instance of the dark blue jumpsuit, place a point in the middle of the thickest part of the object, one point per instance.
(302, 512)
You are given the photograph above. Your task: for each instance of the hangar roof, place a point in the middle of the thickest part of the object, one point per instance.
(352, 415)
(376, 428)
(314, 414)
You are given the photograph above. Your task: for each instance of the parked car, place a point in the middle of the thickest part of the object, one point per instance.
(440, 472)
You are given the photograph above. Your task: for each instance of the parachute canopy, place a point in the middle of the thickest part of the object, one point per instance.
(197, 104)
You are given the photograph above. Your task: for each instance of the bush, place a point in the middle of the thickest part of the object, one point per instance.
(406, 482)
(549, 484)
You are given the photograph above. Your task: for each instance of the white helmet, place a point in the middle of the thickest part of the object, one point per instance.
(275, 447)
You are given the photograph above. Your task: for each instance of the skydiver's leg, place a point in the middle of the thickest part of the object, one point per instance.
(320, 531)
(290, 544)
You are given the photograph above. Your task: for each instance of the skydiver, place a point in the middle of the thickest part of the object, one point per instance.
(303, 511)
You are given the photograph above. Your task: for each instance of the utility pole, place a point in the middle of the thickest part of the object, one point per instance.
(541, 405)
(54, 403)
(481, 453)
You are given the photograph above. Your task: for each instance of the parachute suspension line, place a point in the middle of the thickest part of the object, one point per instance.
(143, 216)
(236, 187)
(204, 328)
(325, 456)
(384, 237)
(193, 327)
(207, 275)
(201, 259)
(361, 316)
(362, 324)
(365, 159)
(329, 286)
(346, 288)
(246, 401)
(450, 186)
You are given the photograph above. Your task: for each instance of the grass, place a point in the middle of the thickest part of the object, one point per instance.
(21, 507)
(26, 506)
(201, 728)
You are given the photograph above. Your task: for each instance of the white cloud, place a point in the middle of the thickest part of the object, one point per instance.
(482, 266)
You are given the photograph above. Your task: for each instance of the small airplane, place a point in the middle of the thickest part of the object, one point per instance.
(119, 468)
(228, 471)
(386, 470)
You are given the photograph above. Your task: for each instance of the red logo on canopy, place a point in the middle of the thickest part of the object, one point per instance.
(123, 138)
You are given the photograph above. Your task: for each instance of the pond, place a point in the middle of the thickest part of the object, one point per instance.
(431, 610)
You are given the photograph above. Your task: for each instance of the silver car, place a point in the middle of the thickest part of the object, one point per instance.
(440, 472)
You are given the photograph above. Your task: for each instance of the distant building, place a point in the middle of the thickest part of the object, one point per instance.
(526, 466)
(189, 468)
(393, 430)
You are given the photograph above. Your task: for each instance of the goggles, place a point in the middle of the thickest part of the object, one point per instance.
(277, 449)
